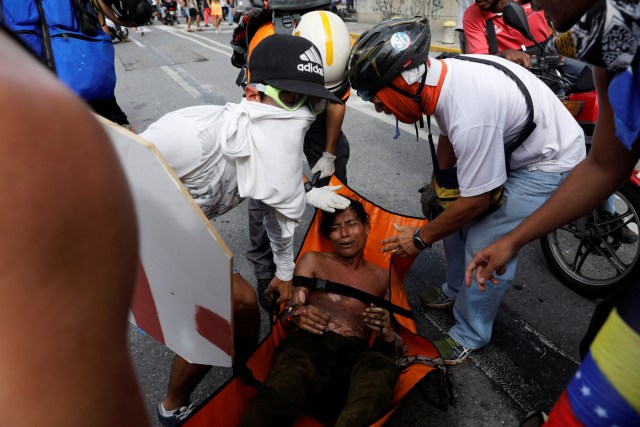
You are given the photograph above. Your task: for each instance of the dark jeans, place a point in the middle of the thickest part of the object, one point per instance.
(109, 109)
(331, 375)
(259, 252)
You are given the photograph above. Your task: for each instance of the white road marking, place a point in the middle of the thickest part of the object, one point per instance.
(136, 42)
(354, 102)
(547, 342)
(178, 33)
(175, 75)
(497, 365)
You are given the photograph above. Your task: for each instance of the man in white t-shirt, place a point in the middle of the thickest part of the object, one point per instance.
(224, 154)
(480, 111)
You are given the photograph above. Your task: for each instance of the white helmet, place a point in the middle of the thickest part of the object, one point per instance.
(330, 35)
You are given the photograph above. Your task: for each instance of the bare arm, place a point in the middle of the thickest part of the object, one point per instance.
(298, 312)
(335, 117)
(606, 167)
(453, 218)
(68, 258)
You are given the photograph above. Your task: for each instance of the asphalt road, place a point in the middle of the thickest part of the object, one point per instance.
(534, 350)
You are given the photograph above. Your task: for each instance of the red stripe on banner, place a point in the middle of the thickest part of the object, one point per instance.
(562, 414)
(214, 328)
(144, 307)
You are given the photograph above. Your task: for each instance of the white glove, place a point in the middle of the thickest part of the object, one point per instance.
(325, 165)
(324, 198)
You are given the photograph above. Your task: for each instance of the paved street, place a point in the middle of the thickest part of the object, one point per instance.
(536, 335)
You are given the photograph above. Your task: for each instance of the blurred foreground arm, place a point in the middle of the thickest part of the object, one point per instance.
(67, 258)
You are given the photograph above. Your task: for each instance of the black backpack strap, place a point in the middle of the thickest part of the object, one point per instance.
(337, 288)
(285, 22)
(491, 36)
(530, 126)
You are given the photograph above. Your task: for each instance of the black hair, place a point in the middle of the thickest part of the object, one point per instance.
(328, 217)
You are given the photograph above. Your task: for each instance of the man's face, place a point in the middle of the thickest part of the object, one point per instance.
(348, 234)
(564, 14)
(380, 107)
(489, 4)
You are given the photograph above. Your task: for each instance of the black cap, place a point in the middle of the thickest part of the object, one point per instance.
(289, 63)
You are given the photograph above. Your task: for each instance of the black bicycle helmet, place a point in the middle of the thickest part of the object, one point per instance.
(384, 51)
(128, 13)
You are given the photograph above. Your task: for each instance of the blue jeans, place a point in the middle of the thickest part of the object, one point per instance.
(474, 311)
(230, 16)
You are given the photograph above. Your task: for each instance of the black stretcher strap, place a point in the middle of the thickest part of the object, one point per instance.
(337, 288)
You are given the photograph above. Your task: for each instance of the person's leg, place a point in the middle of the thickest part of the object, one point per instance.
(230, 16)
(198, 21)
(109, 109)
(185, 376)
(207, 16)
(294, 375)
(454, 245)
(462, 40)
(259, 252)
(246, 320)
(371, 385)
(474, 311)
(343, 151)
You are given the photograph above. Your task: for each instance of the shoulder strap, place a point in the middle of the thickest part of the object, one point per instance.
(284, 22)
(337, 288)
(491, 36)
(510, 147)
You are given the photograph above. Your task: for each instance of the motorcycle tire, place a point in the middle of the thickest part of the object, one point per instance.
(605, 257)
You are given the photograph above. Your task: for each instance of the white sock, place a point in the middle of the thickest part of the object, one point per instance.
(164, 412)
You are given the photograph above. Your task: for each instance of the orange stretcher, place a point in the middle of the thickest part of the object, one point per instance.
(226, 405)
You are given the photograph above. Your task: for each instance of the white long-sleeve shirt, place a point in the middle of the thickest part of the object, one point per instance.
(191, 141)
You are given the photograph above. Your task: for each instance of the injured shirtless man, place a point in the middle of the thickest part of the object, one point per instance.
(326, 365)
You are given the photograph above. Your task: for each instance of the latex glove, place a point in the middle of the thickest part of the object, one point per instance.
(324, 198)
(325, 165)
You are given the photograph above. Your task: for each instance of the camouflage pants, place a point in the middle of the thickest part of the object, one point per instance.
(325, 374)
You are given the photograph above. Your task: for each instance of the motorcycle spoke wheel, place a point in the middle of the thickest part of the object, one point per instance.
(591, 255)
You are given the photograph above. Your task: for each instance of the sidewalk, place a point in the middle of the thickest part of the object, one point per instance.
(355, 29)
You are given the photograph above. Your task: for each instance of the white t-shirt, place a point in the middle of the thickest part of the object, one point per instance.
(480, 108)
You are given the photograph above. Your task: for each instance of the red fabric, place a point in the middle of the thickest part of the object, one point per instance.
(405, 108)
(474, 24)
(562, 415)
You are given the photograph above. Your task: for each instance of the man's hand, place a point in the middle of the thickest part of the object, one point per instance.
(492, 258)
(325, 165)
(311, 319)
(517, 56)
(402, 243)
(282, 287)
(379, 320)
(324, 198)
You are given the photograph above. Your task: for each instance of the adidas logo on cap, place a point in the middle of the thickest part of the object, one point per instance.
(313, 62)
